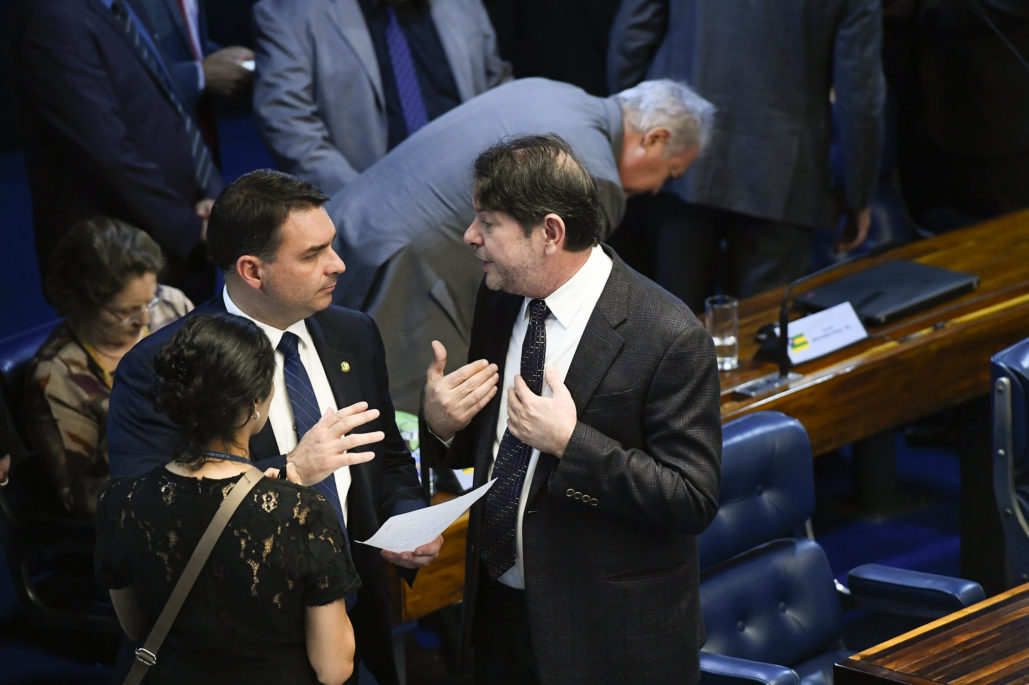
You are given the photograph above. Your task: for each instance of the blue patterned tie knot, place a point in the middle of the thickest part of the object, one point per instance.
(501, 502)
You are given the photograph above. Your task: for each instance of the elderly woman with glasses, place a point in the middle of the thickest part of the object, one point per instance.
(103, 279)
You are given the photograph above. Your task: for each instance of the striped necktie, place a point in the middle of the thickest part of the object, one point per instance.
(203, 166)
(305, 410)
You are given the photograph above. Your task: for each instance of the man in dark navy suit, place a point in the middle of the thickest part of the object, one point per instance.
(105, 132)
(272, 240)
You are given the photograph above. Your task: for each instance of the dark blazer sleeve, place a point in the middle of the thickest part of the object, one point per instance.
(139, 438)
(636, 33)
(69, 84)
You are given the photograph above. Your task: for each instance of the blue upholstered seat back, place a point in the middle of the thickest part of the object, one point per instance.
(775, 603)
(766, 593)
(767, 485)
(15, 352)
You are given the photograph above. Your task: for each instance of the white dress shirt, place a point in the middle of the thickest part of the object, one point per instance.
(570, 306)
(280, 412)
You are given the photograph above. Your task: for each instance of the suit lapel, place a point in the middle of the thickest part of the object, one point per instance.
(454, 41)
(160, 78)
(350, 22)
(173, 9)
(337, 363)
(498, 320)
(600, 342)
(597, 350)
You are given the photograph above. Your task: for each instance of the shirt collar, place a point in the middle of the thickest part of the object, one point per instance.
(565, 302)
(298, 328)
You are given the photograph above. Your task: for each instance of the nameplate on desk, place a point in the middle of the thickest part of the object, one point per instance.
(816, 335)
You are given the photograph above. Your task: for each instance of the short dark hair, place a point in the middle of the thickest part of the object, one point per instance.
(208, 374)
(532, 176)
(93, 261)
(248, 213)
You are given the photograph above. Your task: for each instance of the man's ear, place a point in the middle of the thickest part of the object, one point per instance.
(553, 233)
(249, 270)
(659, 135)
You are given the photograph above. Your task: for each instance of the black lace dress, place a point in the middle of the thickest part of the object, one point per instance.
(282, 551)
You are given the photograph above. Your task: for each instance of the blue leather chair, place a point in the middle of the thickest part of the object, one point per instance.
(1009, 370)
(773, 611)
(48, 553)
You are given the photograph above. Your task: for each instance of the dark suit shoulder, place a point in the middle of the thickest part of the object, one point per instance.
(648, 302)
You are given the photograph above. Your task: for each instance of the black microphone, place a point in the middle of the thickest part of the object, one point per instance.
(776, 348)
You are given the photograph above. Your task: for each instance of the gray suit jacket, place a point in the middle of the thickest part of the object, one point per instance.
(609, 533)
(400, 223)
(318, 92)
(768, 68)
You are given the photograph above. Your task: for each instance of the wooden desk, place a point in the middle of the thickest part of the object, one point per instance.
(913, 368)
(987, 643)
(916, 367)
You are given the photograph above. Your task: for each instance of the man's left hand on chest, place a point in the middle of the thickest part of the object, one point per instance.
(545, 423)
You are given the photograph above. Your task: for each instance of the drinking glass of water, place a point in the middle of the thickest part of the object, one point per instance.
(720, 317)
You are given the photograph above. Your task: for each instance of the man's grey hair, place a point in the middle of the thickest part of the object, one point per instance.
(673, 105)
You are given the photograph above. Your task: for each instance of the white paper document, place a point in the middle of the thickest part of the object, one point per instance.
(405, 532)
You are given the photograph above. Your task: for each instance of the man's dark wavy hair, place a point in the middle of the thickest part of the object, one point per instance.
(532, 176)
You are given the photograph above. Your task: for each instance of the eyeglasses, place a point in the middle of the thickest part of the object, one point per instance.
(127, 315)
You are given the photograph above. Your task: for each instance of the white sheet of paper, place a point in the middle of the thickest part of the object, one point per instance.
(405, 532)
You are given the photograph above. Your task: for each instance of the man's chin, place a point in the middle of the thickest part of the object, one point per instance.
(493, 283)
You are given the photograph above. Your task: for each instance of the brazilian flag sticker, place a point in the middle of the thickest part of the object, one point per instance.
(799, 342)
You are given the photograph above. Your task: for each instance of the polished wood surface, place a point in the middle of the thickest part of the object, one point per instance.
(935, 359)
(987, 643)
(927, 362)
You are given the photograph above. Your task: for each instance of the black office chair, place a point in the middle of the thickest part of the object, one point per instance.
(1009, 370)
(773, 611)
(49, 554)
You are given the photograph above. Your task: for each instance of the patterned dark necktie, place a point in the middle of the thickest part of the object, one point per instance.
(404, 75)
(305, 410)
(203, 166)
(501, 502)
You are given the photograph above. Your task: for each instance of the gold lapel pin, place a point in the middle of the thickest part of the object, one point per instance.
(344, 367)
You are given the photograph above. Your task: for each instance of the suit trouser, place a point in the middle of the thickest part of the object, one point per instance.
(503, 644)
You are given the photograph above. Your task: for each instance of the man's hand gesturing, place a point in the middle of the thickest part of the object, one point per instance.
(452, 400)
(326, 447)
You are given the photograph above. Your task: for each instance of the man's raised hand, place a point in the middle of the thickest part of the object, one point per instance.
(326, 447)
(452, 400)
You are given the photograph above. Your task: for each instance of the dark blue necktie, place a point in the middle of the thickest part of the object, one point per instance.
(305, 410)
(203, 166)
(501, 502)
(404, 75)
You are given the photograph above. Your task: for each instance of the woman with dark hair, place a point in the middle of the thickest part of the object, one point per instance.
(268, 605)
(103, 279)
